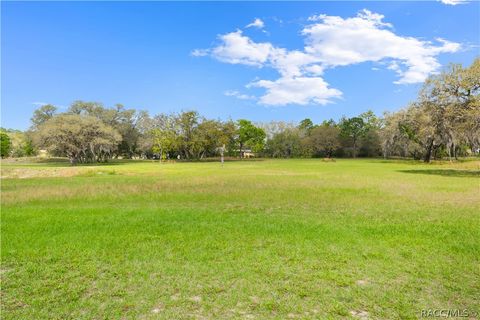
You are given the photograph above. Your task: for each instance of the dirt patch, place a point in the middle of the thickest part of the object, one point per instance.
(361, 282)
(27, 173)
(360, 314)
(196, 299)
(158, 308)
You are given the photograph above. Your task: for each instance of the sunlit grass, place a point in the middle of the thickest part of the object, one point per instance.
(263, 239)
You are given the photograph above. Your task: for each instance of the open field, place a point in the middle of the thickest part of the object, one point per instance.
(254, 239)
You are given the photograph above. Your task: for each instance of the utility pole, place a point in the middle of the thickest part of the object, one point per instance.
(221, 154)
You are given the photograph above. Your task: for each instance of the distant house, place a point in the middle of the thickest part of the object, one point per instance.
(247, 153)
(42, 153)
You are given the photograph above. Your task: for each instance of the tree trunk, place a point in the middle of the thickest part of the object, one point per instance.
(450, 152)
(354, 148)
(73, 159)
(222, 151)
(428, 154)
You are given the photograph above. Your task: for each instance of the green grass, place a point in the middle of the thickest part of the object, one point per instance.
(265, 239)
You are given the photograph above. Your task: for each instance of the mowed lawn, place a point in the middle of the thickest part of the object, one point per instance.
(251, 240)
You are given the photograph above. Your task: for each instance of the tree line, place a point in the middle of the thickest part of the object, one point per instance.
(444, 121)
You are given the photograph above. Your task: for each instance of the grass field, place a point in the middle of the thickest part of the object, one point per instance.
(254, 239)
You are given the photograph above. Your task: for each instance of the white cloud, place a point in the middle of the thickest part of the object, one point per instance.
(238, 95)
(454, 2)
(315, 69)
(257, 23)
(335, 41)
(296, 90)
(316, 17)
(331, 41)
(447, 46)
(290, 63)
(238, 49)
(200, 52)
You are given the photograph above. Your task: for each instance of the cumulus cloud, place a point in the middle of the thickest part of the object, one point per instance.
(453, 2)
(336, 41)
(238, 95)
(200, 52)
(331, 41)
(257, 23)
(314, 70)
(236, 48)
(296, 90)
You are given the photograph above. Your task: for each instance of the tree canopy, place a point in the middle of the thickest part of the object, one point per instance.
(444, 121)
(80, 138)
(5, 144)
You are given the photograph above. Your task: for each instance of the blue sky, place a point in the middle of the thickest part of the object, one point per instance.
(318, 60)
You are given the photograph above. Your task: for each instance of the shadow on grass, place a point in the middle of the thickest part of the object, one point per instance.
(115, 162)
(226, 159)
(421, 162)
(63, 162)
(446, 172)
(57, 162)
